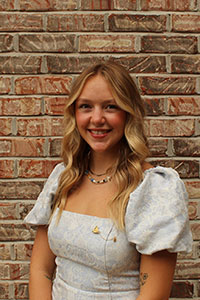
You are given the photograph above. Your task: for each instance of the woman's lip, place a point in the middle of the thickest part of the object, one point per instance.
(99, 133)
(99, 130)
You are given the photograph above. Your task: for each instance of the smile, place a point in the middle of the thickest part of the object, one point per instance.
(99, 132)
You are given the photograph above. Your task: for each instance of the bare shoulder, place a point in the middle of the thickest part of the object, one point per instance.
(146, 166)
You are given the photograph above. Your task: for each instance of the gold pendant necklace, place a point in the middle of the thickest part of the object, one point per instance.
(97, 231)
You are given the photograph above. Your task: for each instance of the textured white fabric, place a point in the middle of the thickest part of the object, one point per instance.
(94, 266)
(157, 214)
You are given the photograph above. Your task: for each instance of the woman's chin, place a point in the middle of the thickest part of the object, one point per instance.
(104, 150)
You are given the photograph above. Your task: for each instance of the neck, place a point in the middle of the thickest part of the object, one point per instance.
(99, 162)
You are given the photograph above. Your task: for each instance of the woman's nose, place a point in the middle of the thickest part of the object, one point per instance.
(98, 116)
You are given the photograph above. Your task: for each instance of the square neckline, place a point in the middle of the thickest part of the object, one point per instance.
(103, 218)
(82, 215)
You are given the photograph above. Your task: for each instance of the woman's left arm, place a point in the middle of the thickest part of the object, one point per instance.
(156, 275)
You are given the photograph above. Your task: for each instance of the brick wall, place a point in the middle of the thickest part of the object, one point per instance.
(43, 45)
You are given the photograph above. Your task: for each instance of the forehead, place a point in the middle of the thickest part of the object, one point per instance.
(96, 87)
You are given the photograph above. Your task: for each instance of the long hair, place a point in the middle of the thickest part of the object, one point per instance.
(133, 149)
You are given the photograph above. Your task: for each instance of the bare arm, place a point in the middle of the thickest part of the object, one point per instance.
(42, 267)
(156, 275)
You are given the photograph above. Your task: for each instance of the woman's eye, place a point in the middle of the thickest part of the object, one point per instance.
(84, 106)
(112, 106)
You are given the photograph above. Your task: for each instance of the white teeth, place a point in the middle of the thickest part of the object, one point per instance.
(98, 132)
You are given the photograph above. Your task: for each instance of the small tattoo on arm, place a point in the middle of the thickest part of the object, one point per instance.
(48, 277)
(143, 278)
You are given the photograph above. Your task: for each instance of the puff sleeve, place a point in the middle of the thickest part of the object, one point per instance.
(157, 214)
(40, 213)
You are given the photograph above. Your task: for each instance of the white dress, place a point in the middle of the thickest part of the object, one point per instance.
(106, 265)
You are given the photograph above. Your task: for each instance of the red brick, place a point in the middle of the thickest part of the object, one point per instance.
(164, 44)
(47, 42)
(5, 85)
(23, 209)
(107, 43)
(167, 85)
(192, 255)
(23, 251)
(96, 5)
(4, 290)
(71, 64)
(8, 211)
(5, 147)
(195, 228)
(20, 106)
(5, 254)
(108, 5)
(14, 211)
(4, 271)
(189, 169)
(20, 190)
(193, 188)
(183, 289)
(186, 147)
(40, 127)
(198, 287)
(158, 147)
(20, 64)
(7, 168)
(22, 147)
(46, 5)
(185, 64)
(185, 168)
(188, 269)
(135, 64)
(16, 232)
(170, 127)
(183, 106)
(126, 22)
(43, 85)
(64, 5)
(21, 22)
(6, 42)
(6, 6)
(154, 107)
(55, 105)
(75, 22)
(175, 5)
(5, 126)
(55, 147)
(143, 63)
(19, 271)
(186, 23)
(36, 168)
(193, 209)
(122, 5)
(21, 290)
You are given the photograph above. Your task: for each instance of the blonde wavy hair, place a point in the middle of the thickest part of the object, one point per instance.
(133, 149)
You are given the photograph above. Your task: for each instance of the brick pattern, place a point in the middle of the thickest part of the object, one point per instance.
(43, 46)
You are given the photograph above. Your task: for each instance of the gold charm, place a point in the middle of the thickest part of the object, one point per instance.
(96, 230)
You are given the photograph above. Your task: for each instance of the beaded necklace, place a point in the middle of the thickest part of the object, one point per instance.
(104, 180)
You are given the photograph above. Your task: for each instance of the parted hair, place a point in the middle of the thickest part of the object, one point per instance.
(133, 147)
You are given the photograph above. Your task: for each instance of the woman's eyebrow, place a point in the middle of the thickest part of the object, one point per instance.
(90, 100)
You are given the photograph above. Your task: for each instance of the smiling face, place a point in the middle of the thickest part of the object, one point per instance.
(99, 119)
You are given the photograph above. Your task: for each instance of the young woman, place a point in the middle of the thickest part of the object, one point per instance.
(110, 224)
